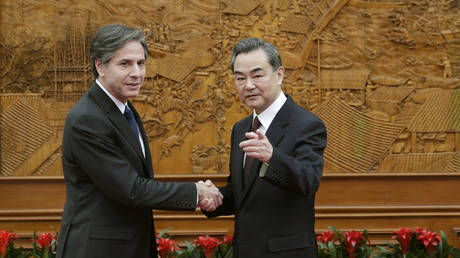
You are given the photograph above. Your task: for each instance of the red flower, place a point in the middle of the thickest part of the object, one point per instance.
(430, 240)
(5, 240)
(403, 236)
(44, 239)
(419, 230)
(166, 246)
(326, 237)
(228, 239)
(208, 244)
(352, 240)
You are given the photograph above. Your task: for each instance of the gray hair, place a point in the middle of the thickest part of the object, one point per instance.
(109, 39)
(250, 44)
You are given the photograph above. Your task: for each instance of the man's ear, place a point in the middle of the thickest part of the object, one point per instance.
(280, 74)
(99, 67)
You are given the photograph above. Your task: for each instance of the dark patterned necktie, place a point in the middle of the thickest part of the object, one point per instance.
(249, 160)
(132, 122)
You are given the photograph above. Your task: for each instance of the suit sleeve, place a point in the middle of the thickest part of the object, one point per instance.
(297, 163)
(94, 147)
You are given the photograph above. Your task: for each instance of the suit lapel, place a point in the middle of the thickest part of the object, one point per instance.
(117, 118)
(276, 130)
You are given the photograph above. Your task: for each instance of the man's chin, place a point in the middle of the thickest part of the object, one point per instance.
(132, 94)
(252, 103)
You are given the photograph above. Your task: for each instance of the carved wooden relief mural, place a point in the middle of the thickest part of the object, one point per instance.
(383, 75)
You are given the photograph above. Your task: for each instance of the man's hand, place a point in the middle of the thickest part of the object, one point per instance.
(209, 197)
(257, 146)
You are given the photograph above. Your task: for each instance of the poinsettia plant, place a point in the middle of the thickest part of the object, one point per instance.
(225, 248)
(203, 246)
(410, 243)
(418, 242)
(165, 246)
(6, 243)
(337, 244)
(44, 245)
(207, 244)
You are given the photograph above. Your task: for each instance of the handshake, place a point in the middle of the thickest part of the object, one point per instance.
(209, 197)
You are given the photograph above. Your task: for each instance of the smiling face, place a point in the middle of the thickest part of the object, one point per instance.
(125, 72)
(257, 84)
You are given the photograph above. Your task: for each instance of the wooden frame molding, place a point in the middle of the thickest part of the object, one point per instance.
(381, 203)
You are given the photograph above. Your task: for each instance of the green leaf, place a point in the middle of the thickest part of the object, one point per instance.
(229, 253)
(163, 232)
(34, 244)
(46, 253)
(332, 249)
(455, 252)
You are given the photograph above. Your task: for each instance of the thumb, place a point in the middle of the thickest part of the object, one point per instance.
(260, 135)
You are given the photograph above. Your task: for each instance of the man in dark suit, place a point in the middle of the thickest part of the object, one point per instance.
(107, 163)
(273, 200)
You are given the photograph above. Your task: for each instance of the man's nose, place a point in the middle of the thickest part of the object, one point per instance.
(249, 84)
(136, 71)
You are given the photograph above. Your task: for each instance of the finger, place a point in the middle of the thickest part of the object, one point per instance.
(211, 202)
(203, 203)
(251, 135)
(253, 151)
(209, 183)
(252, 148)
(260, 135)
(210, 208)
(207, 205)
(247, 143)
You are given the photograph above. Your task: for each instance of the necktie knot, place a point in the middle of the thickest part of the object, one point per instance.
(129, 114)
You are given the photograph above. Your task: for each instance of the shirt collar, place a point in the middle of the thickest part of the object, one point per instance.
(266, 117)
(121, 106)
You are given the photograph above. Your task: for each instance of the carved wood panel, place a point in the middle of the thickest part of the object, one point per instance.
(383, 75)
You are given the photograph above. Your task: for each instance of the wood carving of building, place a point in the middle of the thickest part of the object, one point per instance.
(444, 162)
(356, 142)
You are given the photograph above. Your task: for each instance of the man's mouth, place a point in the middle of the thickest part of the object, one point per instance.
(251, 96)
(133, 85)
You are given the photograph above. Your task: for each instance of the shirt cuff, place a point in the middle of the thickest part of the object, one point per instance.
(263, 169)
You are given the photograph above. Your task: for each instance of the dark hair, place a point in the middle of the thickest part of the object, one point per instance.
(109, 39)
(250, 44)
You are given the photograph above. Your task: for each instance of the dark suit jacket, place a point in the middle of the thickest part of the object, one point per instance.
(274, 214)
(110, 185)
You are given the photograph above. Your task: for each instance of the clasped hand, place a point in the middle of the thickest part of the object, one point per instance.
(209, 197)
